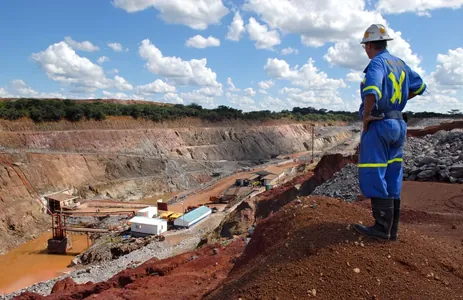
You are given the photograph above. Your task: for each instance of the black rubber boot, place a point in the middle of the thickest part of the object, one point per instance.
(395, 222)
(383, 213)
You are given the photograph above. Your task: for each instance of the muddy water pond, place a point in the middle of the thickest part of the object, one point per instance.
(30, 263)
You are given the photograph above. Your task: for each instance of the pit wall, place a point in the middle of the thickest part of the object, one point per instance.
(128, 163)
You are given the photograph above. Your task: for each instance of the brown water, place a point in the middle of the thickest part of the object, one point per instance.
(30, 263)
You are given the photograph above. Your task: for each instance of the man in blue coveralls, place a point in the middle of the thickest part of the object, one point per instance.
(388, 84)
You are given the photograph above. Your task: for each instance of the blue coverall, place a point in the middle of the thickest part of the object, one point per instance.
(381, 146)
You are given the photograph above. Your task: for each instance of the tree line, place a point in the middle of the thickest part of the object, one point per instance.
(41, 110)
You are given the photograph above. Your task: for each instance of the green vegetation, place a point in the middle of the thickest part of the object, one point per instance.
(74, 110)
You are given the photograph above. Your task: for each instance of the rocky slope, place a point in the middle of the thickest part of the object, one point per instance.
(435, 157)
(130, 159)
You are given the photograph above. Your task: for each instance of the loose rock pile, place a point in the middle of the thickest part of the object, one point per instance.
(343, 185)
(437, 157)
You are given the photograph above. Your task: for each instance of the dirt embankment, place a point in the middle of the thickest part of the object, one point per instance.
(309, 250)
(447, 126)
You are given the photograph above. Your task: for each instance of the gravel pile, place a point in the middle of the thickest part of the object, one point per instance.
(343, 185)
(437, 157)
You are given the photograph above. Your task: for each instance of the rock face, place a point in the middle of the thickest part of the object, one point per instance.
(129, 159)
(343, 185)
(111, 247)
(436, 157)
(326, 168)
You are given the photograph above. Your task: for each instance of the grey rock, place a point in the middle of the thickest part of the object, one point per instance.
(412, 177)
(426, 174)
(343, 185)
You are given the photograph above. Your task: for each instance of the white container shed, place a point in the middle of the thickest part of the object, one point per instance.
(148, 225)
(148, 212)
(193, 217)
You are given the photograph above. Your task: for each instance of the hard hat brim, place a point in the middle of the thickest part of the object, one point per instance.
(377, 40)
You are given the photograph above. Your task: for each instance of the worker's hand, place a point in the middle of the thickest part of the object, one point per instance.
(367, 120)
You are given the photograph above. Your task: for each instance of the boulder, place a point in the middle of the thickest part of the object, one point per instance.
(426, 174)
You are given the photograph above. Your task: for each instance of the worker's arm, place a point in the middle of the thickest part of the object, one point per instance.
(368, 107)
(372, 90)
(417, 85)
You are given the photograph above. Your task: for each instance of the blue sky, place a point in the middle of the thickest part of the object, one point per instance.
(57, 48)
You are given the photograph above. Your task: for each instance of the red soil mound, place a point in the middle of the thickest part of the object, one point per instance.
(186, 276)
(433, 129)
(309, 249)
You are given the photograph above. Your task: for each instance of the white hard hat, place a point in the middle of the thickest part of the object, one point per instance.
(376, 32)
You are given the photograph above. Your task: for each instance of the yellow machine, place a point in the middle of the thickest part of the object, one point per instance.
(170, 215)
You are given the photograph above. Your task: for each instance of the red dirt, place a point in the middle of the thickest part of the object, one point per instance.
(186, 276)
(301, 248)
(432, 208)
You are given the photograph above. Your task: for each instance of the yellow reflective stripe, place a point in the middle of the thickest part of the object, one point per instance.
(395, 160)
(372, 87)
(397, 86)
(380, 165)
(420, 89)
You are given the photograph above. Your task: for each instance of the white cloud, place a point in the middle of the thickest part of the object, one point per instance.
(191, 72)
(264, 92)
(20, 88)
(274, 104)
(114, 71)
(288, 51)
(350, 54)
(436, 102)
(61, 63)
(243, 102)
(157, 86)
(236, 28)
(265, 39)
(231, 86)
(117, 47)
(205, 96)
(102, 59)
(4, 93)
(197, 14)
(319, 99)
(83, 46)
(249, 92)
(420, 7)
(110, 95)
(318, 22)
(199, 41)
(121, 84)
(354, 77)
(266, 84)
(307, 76)
(199, 98)
(449, 70)
(172, 98)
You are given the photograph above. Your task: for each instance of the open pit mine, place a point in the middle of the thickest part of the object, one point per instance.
(125, 208)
